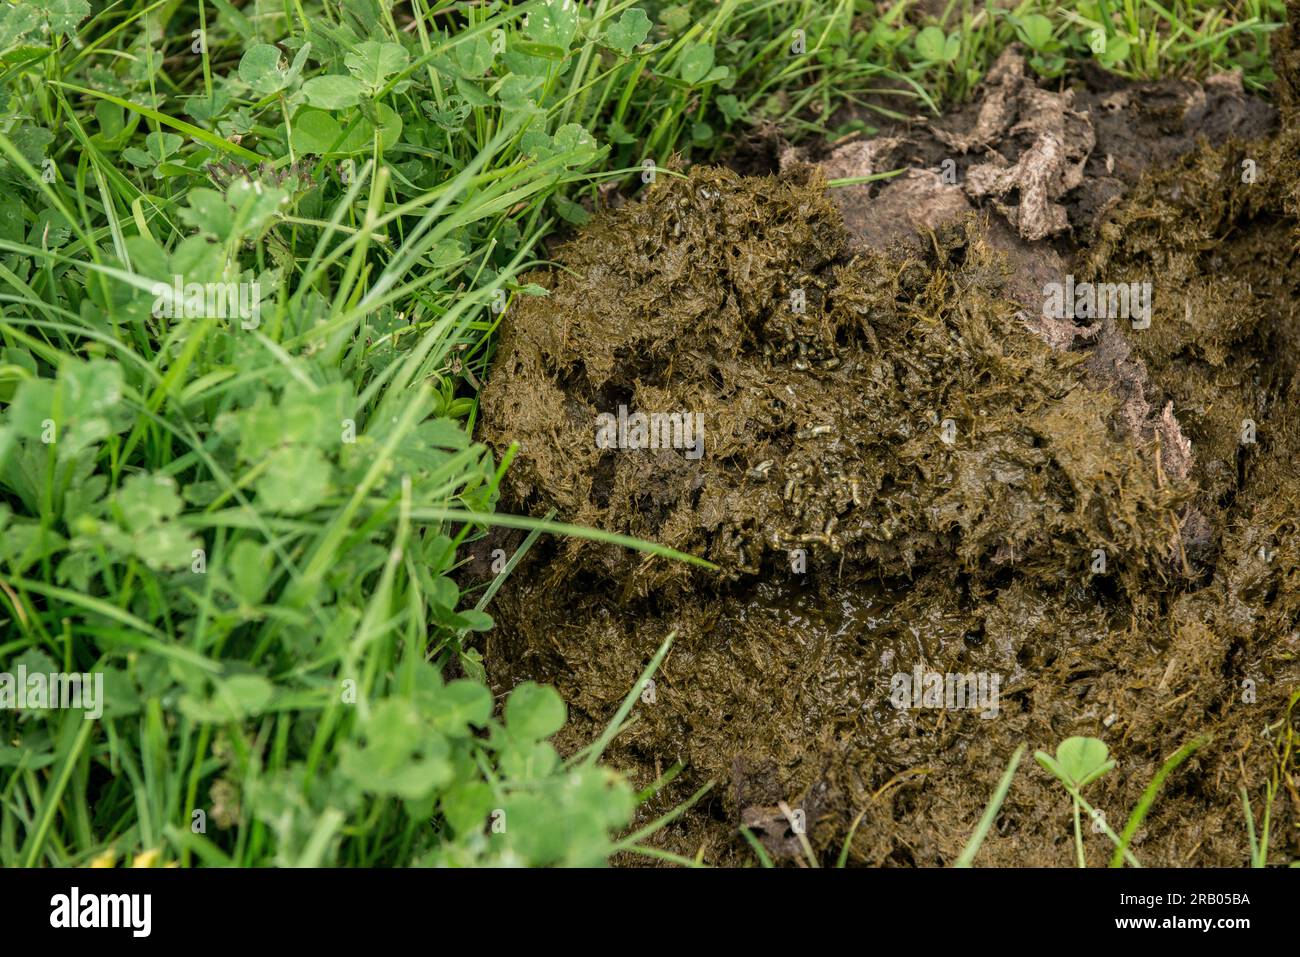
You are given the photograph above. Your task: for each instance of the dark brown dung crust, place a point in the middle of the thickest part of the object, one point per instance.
(949, 466)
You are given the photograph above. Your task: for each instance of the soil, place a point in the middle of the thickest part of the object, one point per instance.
(908, 467)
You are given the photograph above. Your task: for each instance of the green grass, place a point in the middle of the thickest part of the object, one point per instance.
(1139, 39)
(250, 529)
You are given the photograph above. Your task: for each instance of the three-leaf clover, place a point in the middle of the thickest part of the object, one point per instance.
(1036, 30)
(1079, 761)
(400, 754)
(146, 508)
(157, 148)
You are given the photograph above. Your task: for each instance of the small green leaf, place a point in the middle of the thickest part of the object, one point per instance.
(519, 92)
(1115, 51)
(254, 205)
(618, 134)
(316, 131)
(574, 138)
(166, 546)
(64, 15)
(930, 44)
(162, 145)
(570, 211)
(260, 67)
(629, 32)
(466, 806)
(952, 48)
(475, 620)
(695, 63)
(1082, 760)
(137, 157)
(207, 212)
(74, 410)
(524, 760)
(296, 480)
(459, 705)
(534, 712)
(474, 56)
(233, 699)
(1036, 31)
(206, 109)
(333, 92)
(32, 142)
(18, 23)
(676, 19)
(373, 63)
(452, 117)
(248, 568)
(11, 219)
(552, 23)
(731, 107)
(246, 694)
(146, 500)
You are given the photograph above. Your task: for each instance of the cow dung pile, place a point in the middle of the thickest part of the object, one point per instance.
(911, 468)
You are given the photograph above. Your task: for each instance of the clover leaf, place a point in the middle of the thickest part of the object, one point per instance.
(695, 63)
(1079, 761)
(553, 23)
(534, 712)
(332, 92)
(372, 63)
(629, 32)
(400, 754)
